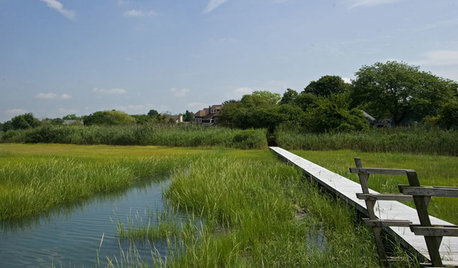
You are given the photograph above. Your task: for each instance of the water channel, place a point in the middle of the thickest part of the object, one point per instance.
(71, 237)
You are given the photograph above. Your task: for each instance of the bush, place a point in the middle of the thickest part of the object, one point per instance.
(408, 140)
(150, 134)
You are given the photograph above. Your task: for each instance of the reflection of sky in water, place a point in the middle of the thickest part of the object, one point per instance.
(72, 236)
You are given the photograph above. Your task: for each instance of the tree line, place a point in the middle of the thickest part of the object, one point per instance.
(107, 118)
(395, 91)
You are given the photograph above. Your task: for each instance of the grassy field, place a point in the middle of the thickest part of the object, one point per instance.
(256, 210)
(186, 135)
(36, 178)
(434, 170)
(419, 140)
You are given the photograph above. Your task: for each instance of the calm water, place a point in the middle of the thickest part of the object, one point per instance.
(72, 237)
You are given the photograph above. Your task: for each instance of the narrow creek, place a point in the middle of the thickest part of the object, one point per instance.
(71, 237)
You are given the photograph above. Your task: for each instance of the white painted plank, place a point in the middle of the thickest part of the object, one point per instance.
(347, 189)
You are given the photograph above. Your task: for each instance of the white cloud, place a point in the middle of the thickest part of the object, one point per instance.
(65, 111)
(438, 24)
(46, 96)
(122, 2)
(16, 111)
(65, 96)
(197, 105)
(137, 13)
(438, 58)
(59, 7)
(179, 92)
(239, 92)
(213, 4)
(52, 96)
(132, 107)
(111, 91)
(363, 3)
(346, 80)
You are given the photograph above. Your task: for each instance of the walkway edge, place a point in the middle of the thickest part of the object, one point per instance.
(346, 189)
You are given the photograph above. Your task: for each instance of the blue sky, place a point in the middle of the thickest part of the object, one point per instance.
(59, 57)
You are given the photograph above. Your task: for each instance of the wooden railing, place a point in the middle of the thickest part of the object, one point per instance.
(421, 195)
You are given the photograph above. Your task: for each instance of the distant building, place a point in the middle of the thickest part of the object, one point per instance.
(178, 118)
(208, 116)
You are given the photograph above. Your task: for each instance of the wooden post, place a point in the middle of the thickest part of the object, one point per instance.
(421, 204)
(370, 204)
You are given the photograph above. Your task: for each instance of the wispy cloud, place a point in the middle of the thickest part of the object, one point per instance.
(111, 91)
(438, 58)
(197, 105)
(213, 4)
(138, 13)
(438, 24)
(66, 111)
(52, 96)
(179, 92)
(122, 2)
(238, 93)
(363, 3)
(16, 111)
(132, 107)
(59, 7)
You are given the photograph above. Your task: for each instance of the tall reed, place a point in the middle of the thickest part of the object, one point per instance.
(409, 140)
(153, 134)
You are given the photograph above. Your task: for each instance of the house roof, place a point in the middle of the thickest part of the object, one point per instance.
(202, 113)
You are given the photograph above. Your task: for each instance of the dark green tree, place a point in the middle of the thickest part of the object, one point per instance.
(327, 85)
(399, 91)
(153, 113)
(188, 116)
(109, 118)
(328, 116)
(71, 117)
(289, 97)
(448, 115)
(24, 121)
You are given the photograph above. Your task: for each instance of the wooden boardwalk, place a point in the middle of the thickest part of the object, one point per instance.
(347, 189)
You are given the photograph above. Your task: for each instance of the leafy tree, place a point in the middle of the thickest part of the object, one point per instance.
(329, 115)
(260, 98)
(188, 116)
(7, 126)
(306, 100)
(24, 121)
(153, 113)
(109, 118)
(71, 117)
(289, 97)
(143, 119)
(448, 115)
(399, 91)
(327, 85)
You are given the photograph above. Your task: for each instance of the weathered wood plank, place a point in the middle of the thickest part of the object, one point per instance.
(380, 171)
(396, 197)
(435, 230)
(386, 223)
(429, 190)
(347, 189)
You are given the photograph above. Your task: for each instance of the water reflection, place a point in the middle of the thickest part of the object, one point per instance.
(72, 235)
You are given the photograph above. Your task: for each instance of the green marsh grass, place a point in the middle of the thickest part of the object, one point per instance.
(187, 135)
(419, 140)
(35, 179)
(433, 170)
(255, 210)
(258, 211)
